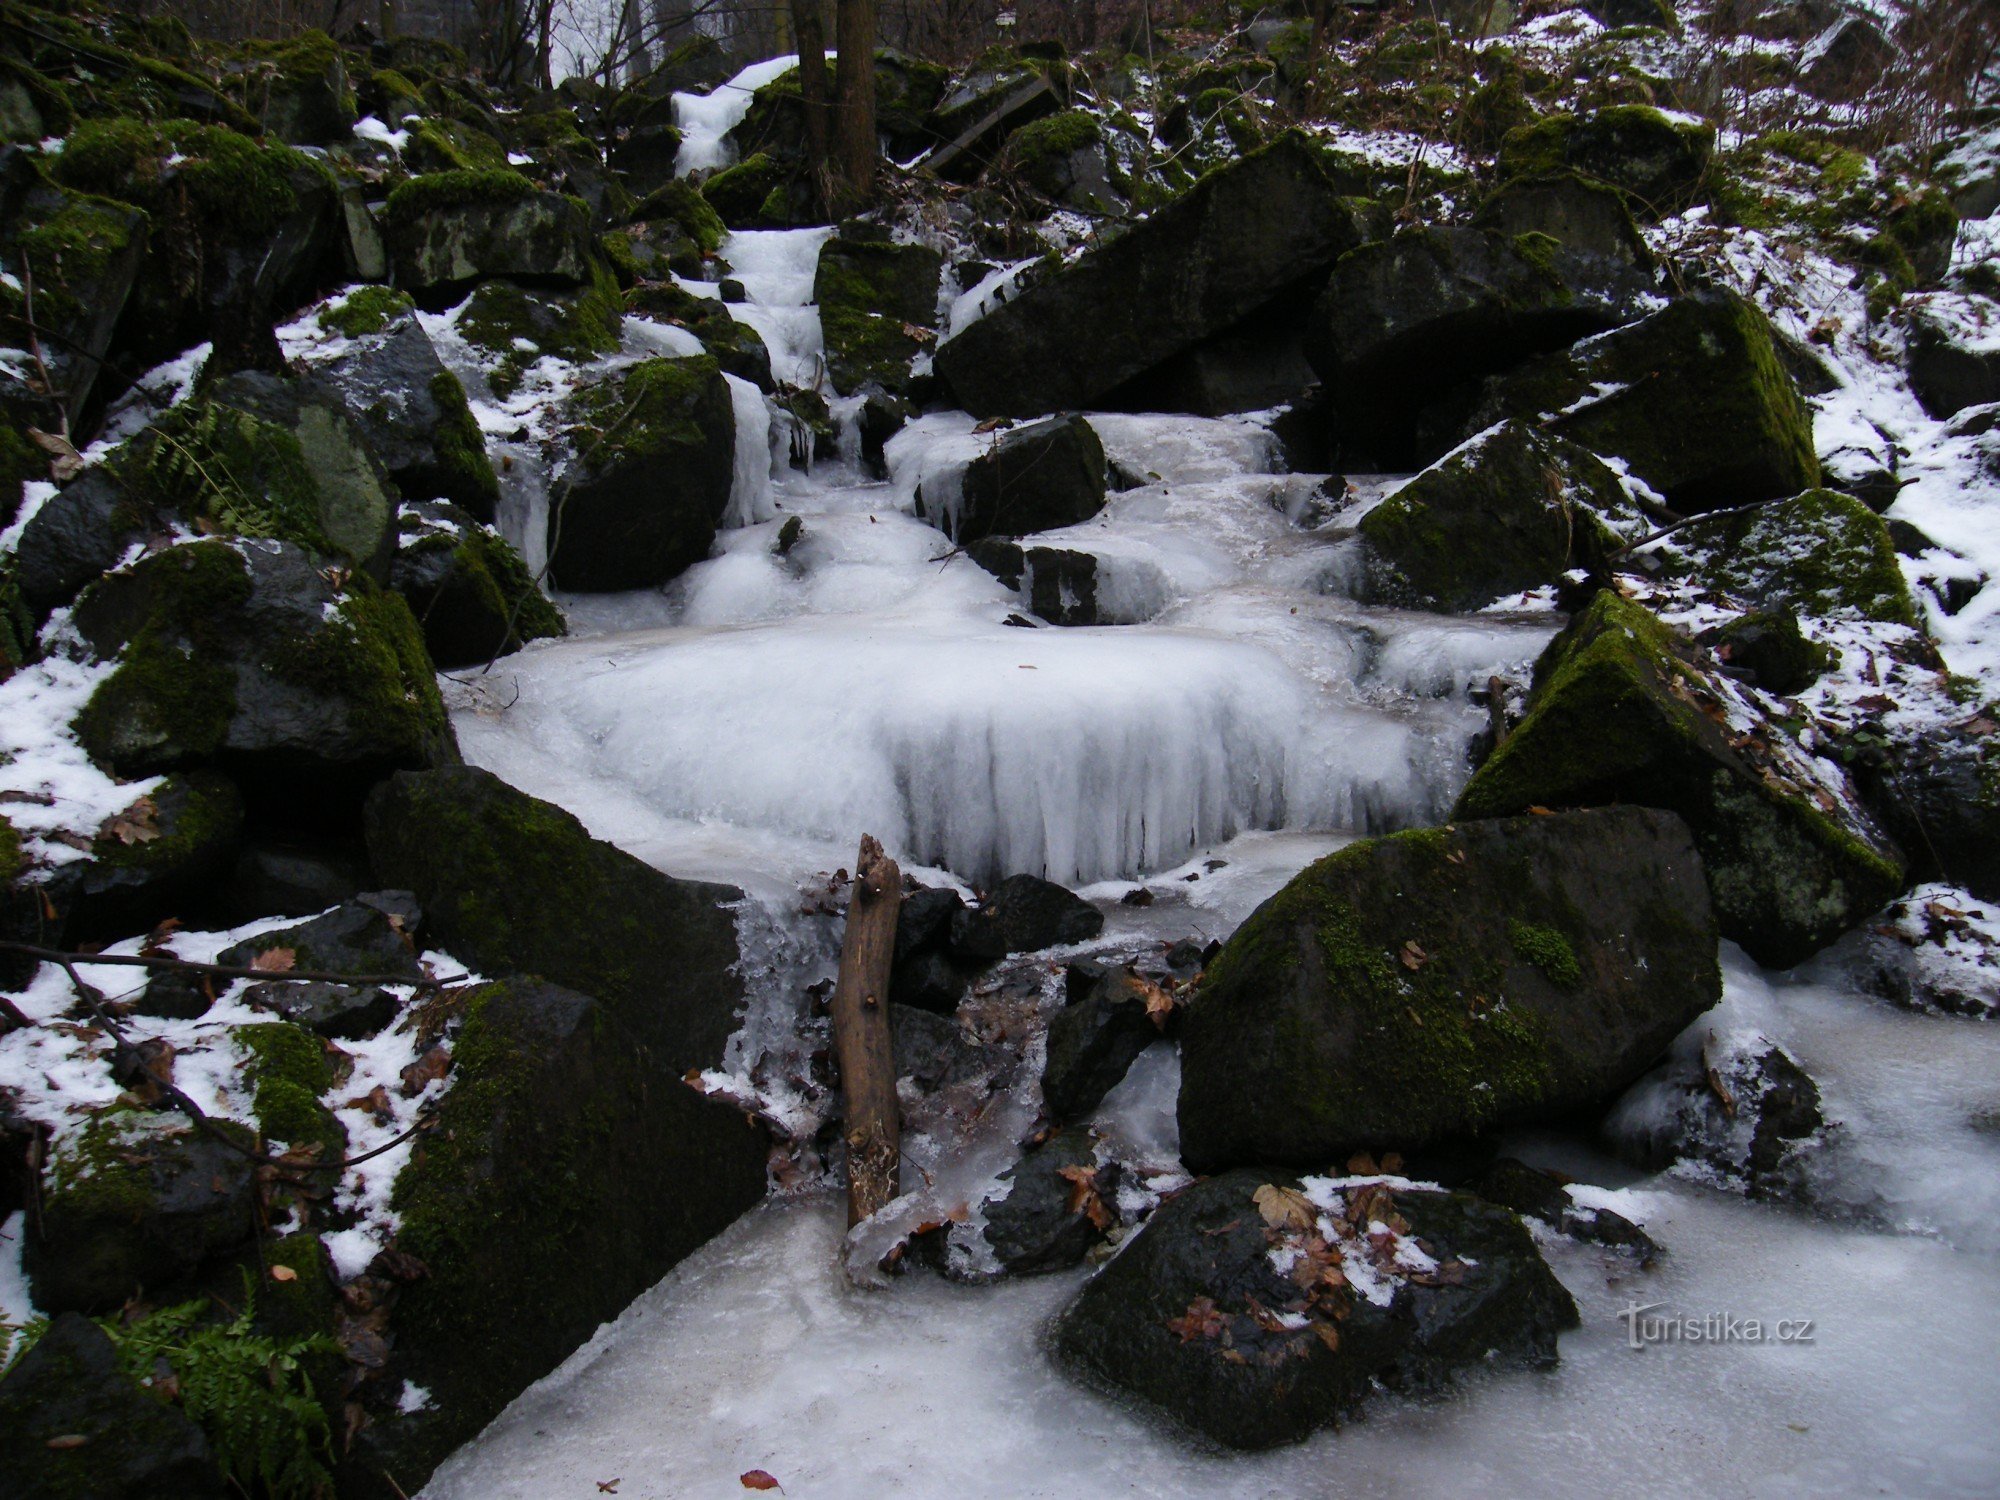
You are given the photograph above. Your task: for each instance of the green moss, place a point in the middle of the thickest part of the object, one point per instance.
(459, 444)
(167, 689)
(395, 95)
(207, 814)
(661, 396)
(1053, 137)
(370, 655)
(367, 310)
(278, 1051)
(11, 862)
(235, 473)
(69, 250)
(553, 129)
(437, 192)
(1548, 950)
(681, 204)
(569, 327)
(1822, 553)
(441, 146)
(232, 182)
(740, 193)
(94, 1172)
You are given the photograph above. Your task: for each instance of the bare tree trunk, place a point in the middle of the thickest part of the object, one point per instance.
(872, 1122)
(855, 144)
(809, 22)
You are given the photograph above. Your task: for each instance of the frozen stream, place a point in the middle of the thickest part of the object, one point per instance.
(751, 720)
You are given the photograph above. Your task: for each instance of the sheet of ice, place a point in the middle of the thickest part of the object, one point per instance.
(750, 494)
(755, 1355)
(777, 268)
(705, 120)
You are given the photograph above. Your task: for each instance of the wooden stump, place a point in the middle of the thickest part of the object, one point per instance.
(871, 1119)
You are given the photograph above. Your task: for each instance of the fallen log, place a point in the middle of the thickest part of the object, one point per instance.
(872, 1121)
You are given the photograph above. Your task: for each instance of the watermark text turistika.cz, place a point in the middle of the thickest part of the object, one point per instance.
(1646, 1324)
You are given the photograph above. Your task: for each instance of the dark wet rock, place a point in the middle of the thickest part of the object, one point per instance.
(1063, 158)
(1770, 646)
(274, 878)
(1431, 985)
(737, 347)
(79, 534)
(1057, 583)
(1846, 60)
(160, 857)
(413, 413)
(1241, 237)
(569, 1171)
(1617, 716)
(1035, 478)
(1194, 1318)
(923, 974)
(336, 1011)
(1410, 324)
(1097, 1036)
(1694, 398)
(1023, 914)
(1954, 354)
(305, 684)
(1941, 802)
(1736, 1103)
(1541, 1195)
(935, 1052)
(135, 1200)
(133, 1445)
(1657, 160)
(1514, 509)
(175, 996)
(1252, 365)
(473, 597)
(450, 229)
(1058, 1204)
(870, 295)
(512, 884)
(649, 491)
(1586, 218)
(357, 938)
(1934, 950)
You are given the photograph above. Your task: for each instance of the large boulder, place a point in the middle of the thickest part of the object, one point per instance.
(655, 462)
(1656, 159)
(136, 1200)
(1585, 217)
(1258, 1308)
(1095, 1038)
(1430, 985)
(365, 938)
(74, 1423)
(569, 1170)
(1624, 711)
(1035, 478)
(511, 884)
(737, 347)
(1821, 553)
(1023, 914)
(1242, 236)
(162, 856)
(1954, 351)
(449, 229)
(75, 536)
(1514, 509)
(298, 89)
(878, 303)
(303, 681)
(1412, 323)
(1696, 399)
(413, 413)
(472, 595)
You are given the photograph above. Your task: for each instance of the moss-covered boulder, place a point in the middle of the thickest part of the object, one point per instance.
(135, 1200)
(472, 595)
(1769, 645)
(1512, 510)
(74, 1423)
(570, 1170)
(1658, 160)
(681, 204)
(1428, 986)
(1584, 216)
(409, 409)
(163, 856)
(1821, 553)
(449, 229)
(1243, 235)
(655, 459)
(735, 346)
(1408, 326)
(84, 253)
(512, 884)
(251, 229)
(289, 1069)
(304, 682)
(755, 193)
(1258, 1307)
(519, 326)
(1063, 157)
(1624, 712)
(1954, 351)
(1035, 478)
(298, 89)
(1695, 399)
(443, 145)
(877, 303)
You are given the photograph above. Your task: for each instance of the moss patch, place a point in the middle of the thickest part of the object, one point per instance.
(367, 310)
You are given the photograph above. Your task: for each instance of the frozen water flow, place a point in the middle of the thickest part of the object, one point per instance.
(750, 494)
(705, 120)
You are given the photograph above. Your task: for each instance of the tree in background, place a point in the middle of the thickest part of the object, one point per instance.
(857, 148)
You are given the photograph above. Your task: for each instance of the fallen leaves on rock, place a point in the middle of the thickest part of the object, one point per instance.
(137, 824)
(276, 961)
(1200, 1321)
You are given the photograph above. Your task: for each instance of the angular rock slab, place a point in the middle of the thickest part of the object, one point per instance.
(1196, 1318)
(1430, 985)
(1237, 239)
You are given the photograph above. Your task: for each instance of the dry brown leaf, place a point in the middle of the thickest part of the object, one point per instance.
(283, 1273)
(1200, 1321)
(757, 1479)
(1328, 1335)
(1413, 955)
(137, 824)
(1159, 1004)
(1284, 1208)
(276, 961)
